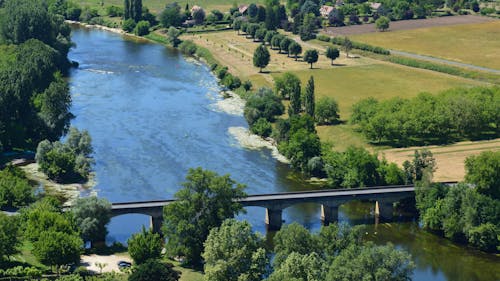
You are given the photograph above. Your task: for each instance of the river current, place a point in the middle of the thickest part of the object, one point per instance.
(153, 114)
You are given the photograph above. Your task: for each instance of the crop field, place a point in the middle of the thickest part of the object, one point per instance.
(476, 44)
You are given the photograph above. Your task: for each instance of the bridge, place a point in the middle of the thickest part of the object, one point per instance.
(330, 201)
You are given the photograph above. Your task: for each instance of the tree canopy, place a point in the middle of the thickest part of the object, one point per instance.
(144, 246)
(233, 252)
(311, 56)
(261, 57)
(91, 215)
(203, 203)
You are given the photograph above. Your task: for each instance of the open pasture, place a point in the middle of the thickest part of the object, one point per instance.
(477, 44)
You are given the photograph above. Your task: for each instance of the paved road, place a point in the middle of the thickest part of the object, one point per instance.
(444, 61)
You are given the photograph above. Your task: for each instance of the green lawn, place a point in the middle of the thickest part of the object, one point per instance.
(477, 44)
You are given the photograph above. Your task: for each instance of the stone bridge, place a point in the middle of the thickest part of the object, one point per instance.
(330, 201)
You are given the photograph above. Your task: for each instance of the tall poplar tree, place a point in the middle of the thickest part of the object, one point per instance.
(295, 103)
(309, 97)
(126, 8)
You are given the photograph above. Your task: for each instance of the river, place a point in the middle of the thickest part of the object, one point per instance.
(153, 114)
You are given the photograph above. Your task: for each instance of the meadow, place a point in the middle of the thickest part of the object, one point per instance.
(476, 44)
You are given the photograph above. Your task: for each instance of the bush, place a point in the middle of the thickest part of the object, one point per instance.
(15, 190)
(230, 81)
(486, 11)
(263, 104)
(142, 28)
(361, 46)
(484, 237)
(144, 246)
(262, 128)
(188, 47)
(221, 72)
(323, 38)
(247, 85)
(128, 25)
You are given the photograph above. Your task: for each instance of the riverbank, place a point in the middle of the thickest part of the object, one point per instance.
(68, 192)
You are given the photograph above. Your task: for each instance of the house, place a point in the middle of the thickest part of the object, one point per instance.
(376, 7)
(325, 11)
(243, 9)
(195, 8)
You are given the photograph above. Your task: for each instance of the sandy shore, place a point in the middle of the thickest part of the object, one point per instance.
(251, 141)
(69, 191)
(110, 262)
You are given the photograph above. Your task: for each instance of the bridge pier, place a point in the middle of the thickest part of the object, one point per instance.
(385, 210)
(329, 214)
(156, 223)
(273, 219)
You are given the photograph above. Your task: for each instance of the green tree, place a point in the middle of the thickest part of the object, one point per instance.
(423, 162)
(171, 16)
(382, 23)
(292, 238)
(326, 111)
(286, 84)
(261, 57)
(347, 46)
(294, 92)
(309, 101)
(483, 171)
(300, 267)
(203, 203)
(260, 34)
(308, 27)
(91, 215)
(57, 248)
(294, 49)
(335, 238)
(233, 252)
(9, 236)
(262, 104)
(144, 246)
(133, 10)
(154, 270)
(332, 53)
(173, 36)
(371, 262)
(128, 25)
(311, 56)
(199, 17)
(142, 28)
(285, 44)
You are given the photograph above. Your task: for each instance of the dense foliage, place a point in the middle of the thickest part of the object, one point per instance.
(357, 167)
(233, 252)
(449, 116)
(484, 172)
(15, 189)
(9, 236)
(467, 213)
(261, 57)
(69, 161)
(144, 246)
(203, 203)
(262, 106)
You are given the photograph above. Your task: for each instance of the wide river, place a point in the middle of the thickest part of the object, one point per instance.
(152, 115)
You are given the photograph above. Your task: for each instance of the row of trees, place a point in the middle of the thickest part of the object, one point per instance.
(469, 212)
(449, 116)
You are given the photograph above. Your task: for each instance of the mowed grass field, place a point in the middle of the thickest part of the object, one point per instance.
(156, 6)
(477, 44)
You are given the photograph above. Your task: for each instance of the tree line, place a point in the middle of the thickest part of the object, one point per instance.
(449, 116)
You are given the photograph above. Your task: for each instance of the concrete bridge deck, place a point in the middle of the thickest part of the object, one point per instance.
(275, 203)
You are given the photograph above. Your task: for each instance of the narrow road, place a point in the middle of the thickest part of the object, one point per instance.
(444, 61)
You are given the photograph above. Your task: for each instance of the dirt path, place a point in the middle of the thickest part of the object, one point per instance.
(407, 24)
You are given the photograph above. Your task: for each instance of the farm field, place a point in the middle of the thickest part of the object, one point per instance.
(449, 158)
(476, 44)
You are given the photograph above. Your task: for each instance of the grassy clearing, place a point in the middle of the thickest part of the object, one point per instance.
(476, 44)
(26, 257)
(156, 6)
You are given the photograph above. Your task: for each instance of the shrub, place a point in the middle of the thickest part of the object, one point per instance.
(326, 111)
(262, 128)
(142, 28)
(188, 47)
(247, 85)
(128, 25)
(484, 237)
(114, 11)
(221, 72)
(15, 190)
(323, 38)
(361, 46)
